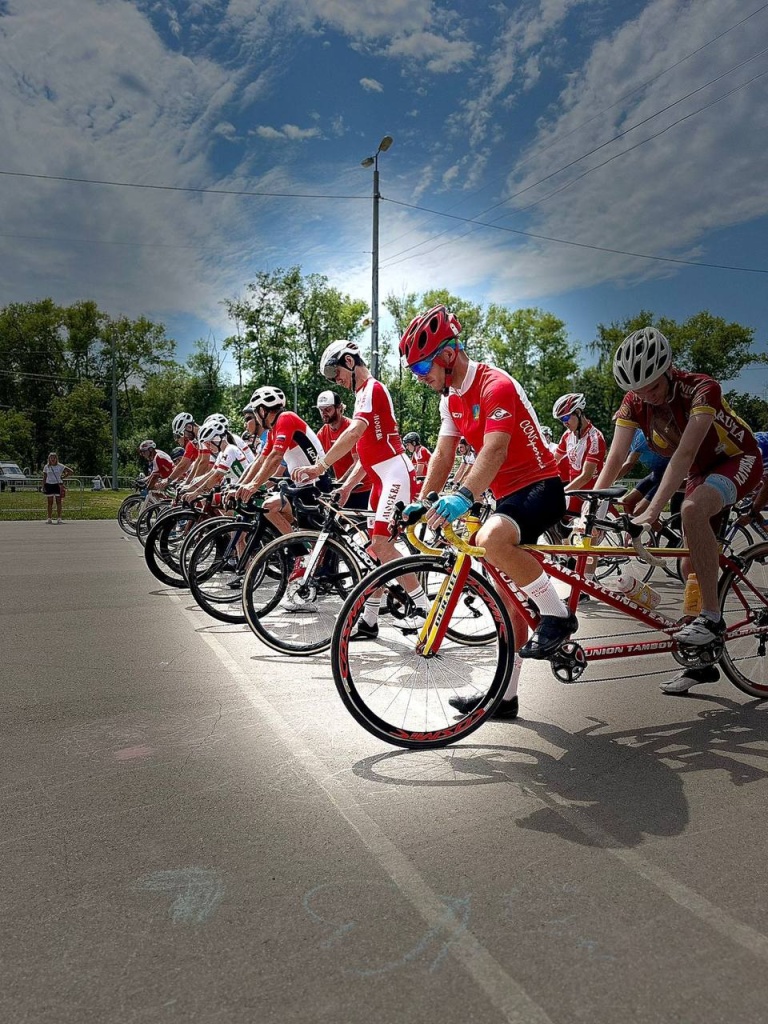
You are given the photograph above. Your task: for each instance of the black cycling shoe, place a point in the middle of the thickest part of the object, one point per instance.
(506, 709)
(365, 632)
(552, 631)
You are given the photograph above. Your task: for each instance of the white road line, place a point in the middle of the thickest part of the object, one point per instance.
(501, 990)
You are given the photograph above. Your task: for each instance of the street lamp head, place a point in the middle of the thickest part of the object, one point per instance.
(385, 143)
(368, 162)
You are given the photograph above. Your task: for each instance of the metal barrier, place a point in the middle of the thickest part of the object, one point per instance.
(27, 497)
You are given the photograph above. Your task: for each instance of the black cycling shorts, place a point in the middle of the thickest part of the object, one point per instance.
(649, 484)
(535, 508)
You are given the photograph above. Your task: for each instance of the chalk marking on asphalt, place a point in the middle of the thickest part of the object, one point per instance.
(503, 992)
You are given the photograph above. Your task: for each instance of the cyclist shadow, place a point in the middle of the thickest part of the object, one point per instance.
(597, 788)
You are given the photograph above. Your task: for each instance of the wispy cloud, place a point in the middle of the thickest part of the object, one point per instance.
(371, 85)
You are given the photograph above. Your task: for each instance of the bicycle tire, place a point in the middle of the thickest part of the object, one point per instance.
(147, 519)
(297, 617)
(742, 660)
(400, 696)
(191, 540)
(165, 536)
(126, 514)
(216, 571)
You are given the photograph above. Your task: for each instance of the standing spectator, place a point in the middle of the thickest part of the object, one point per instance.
(331, 409)
(466, 455)
(54, 475)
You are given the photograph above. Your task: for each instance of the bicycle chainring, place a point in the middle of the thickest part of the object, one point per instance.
(690, 656)
(568, 662)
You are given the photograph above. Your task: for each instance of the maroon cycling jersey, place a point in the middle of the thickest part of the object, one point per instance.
(297, 442)
(381, 440)
(663, 425)
(491, 401)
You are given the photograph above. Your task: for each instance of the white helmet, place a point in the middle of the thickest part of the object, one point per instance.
(147, 446)
(180, 422)
(641, 359)
(567, 405)
(326, 399)
(333, 355)
(211, 431)
(217, 417)
(268, 396)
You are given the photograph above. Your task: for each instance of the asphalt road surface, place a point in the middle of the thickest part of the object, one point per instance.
(195, 830)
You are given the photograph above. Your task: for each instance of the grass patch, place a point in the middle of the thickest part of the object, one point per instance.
(85, 504)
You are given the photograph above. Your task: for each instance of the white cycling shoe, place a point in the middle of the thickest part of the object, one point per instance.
(691, 677)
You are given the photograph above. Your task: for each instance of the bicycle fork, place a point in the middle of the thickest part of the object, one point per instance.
(433, 631)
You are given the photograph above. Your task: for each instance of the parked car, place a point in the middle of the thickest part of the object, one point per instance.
(11, 476)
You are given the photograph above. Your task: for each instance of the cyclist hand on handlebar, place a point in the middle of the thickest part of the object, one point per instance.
(449, 507)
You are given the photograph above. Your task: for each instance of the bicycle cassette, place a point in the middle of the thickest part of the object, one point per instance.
(568, 662)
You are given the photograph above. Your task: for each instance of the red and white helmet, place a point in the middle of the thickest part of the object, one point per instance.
(426, 332)
(641, 359)
(147, 446)
(567, 405)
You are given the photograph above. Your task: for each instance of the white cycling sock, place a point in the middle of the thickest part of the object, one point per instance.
(371, 611)
(419, 598)
(544, 594)
(514, 679)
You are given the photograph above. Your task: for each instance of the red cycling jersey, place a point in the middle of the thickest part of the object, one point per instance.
(297, 442)
(421, 456)
(491, 401)
(663, 425)
(574, 451)
(381, 440)
(191, 450)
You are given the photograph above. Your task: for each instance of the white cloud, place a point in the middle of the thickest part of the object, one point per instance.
(371, 85)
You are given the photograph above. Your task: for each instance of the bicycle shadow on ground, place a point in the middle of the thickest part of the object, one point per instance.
(597, 788)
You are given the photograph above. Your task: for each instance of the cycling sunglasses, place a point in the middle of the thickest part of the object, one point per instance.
(423, 366)
(564, 419)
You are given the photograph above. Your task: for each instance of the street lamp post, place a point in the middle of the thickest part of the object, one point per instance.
(373, 161)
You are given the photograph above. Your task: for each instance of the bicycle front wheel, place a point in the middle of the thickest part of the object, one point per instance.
(128, 513)
(291, 608)
(744, 603)
(402, 696)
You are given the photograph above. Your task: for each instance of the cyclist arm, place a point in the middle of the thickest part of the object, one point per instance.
(679, 465)
(179, 470)
(343, 444)
(440, 465)
(211, 479)
(260, 473)
(617, 456)
(760, 499)
(629, 463)
(585, 477)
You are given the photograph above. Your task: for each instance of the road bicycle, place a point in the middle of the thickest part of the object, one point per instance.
(398, 686)
(294, 587)
(131, 506)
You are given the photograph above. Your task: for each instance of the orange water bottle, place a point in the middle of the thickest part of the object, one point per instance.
(692, 598)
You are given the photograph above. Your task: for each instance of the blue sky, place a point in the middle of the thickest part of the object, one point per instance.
(497, 111)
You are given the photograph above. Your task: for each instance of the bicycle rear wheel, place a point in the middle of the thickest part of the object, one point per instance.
(293, 611)
(147, 519)
(399, 695)
(192, 539)
(744, 602)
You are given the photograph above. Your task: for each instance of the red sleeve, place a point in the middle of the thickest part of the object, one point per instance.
(191, 451)
(283, 430)
(501, 405)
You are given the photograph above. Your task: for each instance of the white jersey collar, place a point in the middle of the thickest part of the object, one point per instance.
(469, 379)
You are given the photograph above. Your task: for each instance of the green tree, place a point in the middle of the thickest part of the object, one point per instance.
(17, 438)
(82, 428)
(532, 345)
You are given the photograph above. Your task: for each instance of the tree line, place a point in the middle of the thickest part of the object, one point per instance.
(57, 364)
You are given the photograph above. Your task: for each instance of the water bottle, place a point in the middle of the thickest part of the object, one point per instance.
(692, 598)
(635, 590)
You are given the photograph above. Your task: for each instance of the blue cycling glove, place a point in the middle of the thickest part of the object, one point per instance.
(452, 506)
(412, 513)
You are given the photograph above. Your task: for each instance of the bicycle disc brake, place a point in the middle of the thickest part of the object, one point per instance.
(568, 662)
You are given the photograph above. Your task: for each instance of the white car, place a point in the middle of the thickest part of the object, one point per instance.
(11, 476)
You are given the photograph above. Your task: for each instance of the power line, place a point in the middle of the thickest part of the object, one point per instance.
(580, 245)
(599, 113)
(180, 188)
(390, 261)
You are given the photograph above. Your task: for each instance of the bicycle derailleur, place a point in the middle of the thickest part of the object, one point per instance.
(568, 662)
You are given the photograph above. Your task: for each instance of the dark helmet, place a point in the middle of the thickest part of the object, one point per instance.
(411, 438)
